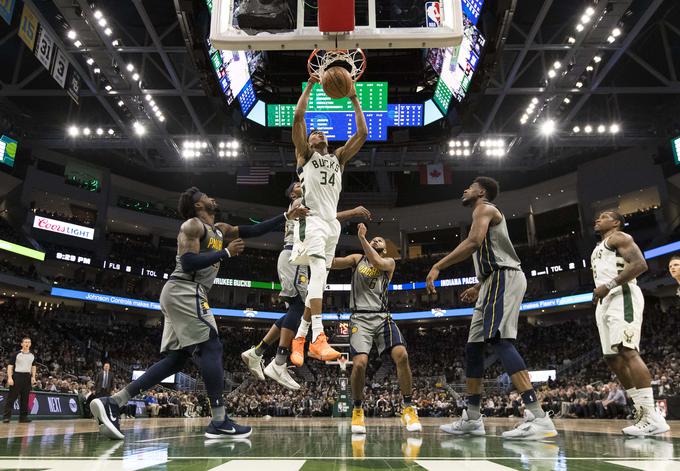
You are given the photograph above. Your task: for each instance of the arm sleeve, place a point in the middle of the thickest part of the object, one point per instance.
(255, 230)
(196, 261)
(12, 360)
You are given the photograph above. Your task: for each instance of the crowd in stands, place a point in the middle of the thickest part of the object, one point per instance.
(71, 347)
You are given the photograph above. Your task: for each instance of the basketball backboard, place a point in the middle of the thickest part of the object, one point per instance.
(226, 36)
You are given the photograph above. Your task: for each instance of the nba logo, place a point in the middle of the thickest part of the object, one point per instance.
(432, 14)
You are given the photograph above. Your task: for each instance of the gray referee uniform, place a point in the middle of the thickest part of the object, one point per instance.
(22, 364)
(294, 278)
(503, 286)
(370, 321)
(184, 299)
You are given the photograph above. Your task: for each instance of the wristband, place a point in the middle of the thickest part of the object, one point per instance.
(228, 253)
(612, 284)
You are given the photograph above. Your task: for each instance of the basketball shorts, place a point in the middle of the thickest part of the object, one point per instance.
(497, 310)
(315, 237)
(619, 318)
(367, 329)
(187, 319)
(294, 278)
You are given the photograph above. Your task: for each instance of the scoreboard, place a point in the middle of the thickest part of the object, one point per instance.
(372, 97)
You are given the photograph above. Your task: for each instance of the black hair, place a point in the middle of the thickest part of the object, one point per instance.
(25, 337)
(289, 190)
(185, 206)
(674, 257)
(618, 216)
(106, 362)
(490, 187)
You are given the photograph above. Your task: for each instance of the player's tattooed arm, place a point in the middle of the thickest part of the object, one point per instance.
(228, 231)
(482, 217)
(342, 263)
(381, 263)
(302, 150)
(354, 143)
(358, 212)
(635, 263)
(189, 238)
(189, 247)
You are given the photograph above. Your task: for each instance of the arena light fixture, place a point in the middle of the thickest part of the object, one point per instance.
(616, 32)
(77, 43)
(111, 132)
(100, 132)
(590, 11)
(108, 31)
(102, 22)
(135, 77)
(73, 131)
(566, 100)
(90, 61)
(121, 103)
(466, 143)
(548, 127)
(597, 59)
(115, 43)
(86, 131)
(611, 39)
(130, 67)
(108, 88)
(148, 97)
(557, 65)
(614, 128)
(98, 14)
(588, 129)
(585, 19)
(590, 68)
(571, 40)
(451, 152)
(534, 101)
(466, 152)
(152, 103)
(579, 84)
(579, 27)
(140, 130)
(552, 73)
(576, 129)
(97, 70)
(72, 34)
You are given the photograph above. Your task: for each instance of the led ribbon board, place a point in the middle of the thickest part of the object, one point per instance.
(253, 314)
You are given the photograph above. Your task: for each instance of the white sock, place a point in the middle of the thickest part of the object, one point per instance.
(645, 398)
(303, 329)
(317, 327)
(632, 394)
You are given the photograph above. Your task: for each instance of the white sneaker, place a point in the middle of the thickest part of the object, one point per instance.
(650, 423)
(279, 373)
(465, 426)
(532, 428)
(254, 363)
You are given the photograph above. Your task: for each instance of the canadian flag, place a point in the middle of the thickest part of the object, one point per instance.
(435, 174)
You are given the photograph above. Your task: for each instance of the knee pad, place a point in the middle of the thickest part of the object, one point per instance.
(474, 359)
(509, 356)
(211, 349)
(291, 320)
(317, 279)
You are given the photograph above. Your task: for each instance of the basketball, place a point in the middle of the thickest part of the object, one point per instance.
(336, 82)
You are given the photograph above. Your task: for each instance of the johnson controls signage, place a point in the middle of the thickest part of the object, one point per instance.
(61, 227)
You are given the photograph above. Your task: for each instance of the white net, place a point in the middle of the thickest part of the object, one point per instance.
(320, 60)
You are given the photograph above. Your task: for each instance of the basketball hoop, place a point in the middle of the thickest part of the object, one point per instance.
(353, 61)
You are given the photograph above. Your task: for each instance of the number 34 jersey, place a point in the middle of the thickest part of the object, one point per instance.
(321, 181)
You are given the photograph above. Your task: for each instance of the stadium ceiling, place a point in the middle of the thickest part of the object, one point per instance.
(630, 81)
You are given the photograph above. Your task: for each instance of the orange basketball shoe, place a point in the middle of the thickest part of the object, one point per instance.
(297, 351)
(320, 349)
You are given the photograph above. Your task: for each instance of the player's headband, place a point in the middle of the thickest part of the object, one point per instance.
(197, 196)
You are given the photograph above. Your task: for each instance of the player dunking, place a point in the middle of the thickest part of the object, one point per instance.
(189, 328)
(616, 263)
(499, 293)
(320, 174)
(371, 323)
(294, 280)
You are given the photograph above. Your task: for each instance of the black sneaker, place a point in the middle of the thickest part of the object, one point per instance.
(24, 420)
(106, 411)
(5, 421)
(227, 429)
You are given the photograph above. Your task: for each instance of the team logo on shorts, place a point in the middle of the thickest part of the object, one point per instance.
(205, 306)
(355, 329)
(302, 280)
(628, 336)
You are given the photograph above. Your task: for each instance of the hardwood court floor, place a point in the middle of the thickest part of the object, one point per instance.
(328, 444)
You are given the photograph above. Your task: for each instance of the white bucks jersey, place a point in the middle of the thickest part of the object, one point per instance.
(289, 231)
(321, 181)
(606, 264)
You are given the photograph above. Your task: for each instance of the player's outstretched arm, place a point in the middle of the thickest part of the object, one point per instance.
(302, 150)
(381, 263)
(481, 219)
(342, 263)
(354, 143)
(635, 263)
(359, 212)
(255, 230)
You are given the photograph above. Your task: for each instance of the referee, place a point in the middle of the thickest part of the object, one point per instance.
(20, 378)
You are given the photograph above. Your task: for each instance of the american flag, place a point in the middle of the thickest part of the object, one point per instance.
(252, 176)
